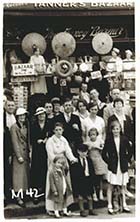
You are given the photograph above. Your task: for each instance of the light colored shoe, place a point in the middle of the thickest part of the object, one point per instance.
(101, 197)
(57, 215)
(129, 194)
(95, 198)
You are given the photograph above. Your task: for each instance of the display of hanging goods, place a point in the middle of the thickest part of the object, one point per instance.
(102, 43)
(63, 44)
(33, 39)
(83, 67)
(64, 69)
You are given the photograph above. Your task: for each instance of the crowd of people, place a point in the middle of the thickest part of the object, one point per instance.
(67, 149)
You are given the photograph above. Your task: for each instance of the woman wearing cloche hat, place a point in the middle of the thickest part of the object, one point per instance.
(39, 154)
(115, 62)
(128, 62)
(20, 140)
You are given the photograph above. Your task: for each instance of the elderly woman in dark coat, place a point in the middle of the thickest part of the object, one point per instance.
(20, 141)
(39, 134)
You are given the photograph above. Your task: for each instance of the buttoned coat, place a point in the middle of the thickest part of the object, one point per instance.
(20, 141)
(56, 185)
(111, 157)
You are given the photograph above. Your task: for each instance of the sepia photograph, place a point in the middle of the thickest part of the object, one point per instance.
(69, 110)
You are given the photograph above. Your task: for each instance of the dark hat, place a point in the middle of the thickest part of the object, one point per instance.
(83, 147)
(132, 97)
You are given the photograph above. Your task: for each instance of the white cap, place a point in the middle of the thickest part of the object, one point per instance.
(128, 52)
(116, 50)
(21, 111)
(40, 110)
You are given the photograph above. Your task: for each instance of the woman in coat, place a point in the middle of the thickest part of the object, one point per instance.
(57, 145)
(20, 140)
(39, 134)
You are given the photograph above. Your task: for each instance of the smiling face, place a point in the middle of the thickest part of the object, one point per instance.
(41, 116)
(10, 107)
(21, 118)
(81, 107)
(118, 106)
(116, 129)
(93, 110)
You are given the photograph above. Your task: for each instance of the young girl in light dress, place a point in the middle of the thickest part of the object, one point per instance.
(95, 149)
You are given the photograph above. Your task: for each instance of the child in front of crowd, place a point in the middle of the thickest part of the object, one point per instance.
(117, 154)
(95, 146)
(60, 186)
(84, 180)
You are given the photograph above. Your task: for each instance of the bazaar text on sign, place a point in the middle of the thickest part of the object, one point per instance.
(24, 69)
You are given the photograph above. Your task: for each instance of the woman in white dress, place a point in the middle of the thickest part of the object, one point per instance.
(38, 61)
(117, 153)
(82, 111)
(93, 121)
(57, 145)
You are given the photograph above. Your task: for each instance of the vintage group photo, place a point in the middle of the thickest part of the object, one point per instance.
(69, 101)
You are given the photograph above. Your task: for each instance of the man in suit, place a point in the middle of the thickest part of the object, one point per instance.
(71, 124)
(8, 121)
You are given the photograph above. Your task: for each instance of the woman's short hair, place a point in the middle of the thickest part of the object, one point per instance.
(90, 105)
(93, 130)
(82, 101)
(118, 100)
(58, 124)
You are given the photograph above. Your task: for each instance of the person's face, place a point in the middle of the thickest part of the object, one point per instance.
(10, 107)
(114, 54)
(93, 136)
(68, 107)
(75, 100)
(21, 118)
(41, 116)
(37, 52)
(58, 131)
(115, 94)
(56, 107)
(94, 110)
(59, 163)
(49, 108)
(81, 107)
(94, 94)
(128, 56)
(84, 87)
(82, 154)
(116, 130)
(118, 106)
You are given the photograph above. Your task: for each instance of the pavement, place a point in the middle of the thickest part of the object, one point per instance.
(13, 211)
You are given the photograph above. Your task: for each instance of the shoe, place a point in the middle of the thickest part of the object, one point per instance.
(83, 213)
(21, 203)
(67, 214)
(35, 201)
(126, 210)
(101, 197)
(110, 211)
(95, 197)
(91, 212)
(129, 194)
(57, 215)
